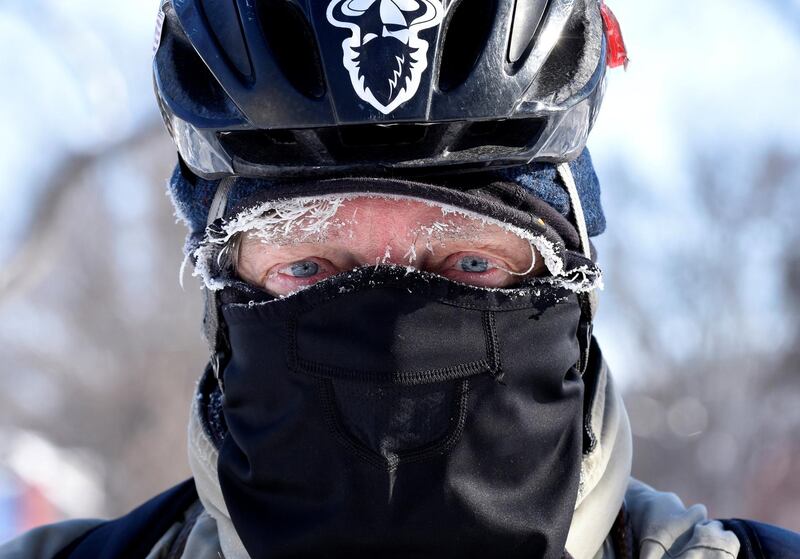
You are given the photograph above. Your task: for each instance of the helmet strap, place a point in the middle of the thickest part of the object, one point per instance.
(565, 172)
(213, 330)
(589, 300)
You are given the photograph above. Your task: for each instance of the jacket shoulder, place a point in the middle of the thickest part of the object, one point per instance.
(131, 535)
(763, 541)
(47, 541)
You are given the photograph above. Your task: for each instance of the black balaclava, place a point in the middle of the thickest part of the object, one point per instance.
(393, 413)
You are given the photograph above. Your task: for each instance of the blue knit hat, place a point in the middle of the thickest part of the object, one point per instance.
(193, 196)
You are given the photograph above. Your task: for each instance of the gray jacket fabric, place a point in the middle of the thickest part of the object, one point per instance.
(662, 526)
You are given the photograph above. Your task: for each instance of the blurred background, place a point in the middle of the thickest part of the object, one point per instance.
(698, 150)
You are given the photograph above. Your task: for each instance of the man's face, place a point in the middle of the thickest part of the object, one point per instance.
(285, 257)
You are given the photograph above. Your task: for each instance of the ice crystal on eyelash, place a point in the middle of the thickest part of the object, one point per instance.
(303, 218)
(411, 253)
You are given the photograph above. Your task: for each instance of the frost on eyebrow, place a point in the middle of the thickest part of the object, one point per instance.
(285, 221)
(310, 219)
(300, 219)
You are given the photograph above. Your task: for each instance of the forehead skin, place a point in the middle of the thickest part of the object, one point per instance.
(369, 230)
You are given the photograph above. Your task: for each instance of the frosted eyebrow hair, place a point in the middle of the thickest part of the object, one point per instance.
(315, 221)
(288, 221)
(300, 228)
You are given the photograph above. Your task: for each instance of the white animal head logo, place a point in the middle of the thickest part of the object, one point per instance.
(384, 55)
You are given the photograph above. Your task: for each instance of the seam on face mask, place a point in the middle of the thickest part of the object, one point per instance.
(493, 345)
(433, 449)
(403, 378)
(490, 364)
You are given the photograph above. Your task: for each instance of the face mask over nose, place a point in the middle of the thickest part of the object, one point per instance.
(388, 413)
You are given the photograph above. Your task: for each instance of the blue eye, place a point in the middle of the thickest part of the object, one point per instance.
(304, 269)
(473, 264)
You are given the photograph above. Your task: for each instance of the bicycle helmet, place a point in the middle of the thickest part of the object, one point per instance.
(292, 88)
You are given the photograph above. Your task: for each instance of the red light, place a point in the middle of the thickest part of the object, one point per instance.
(617, 53)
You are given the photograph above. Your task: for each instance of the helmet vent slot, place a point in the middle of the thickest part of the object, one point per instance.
(264, 146)
(372, 135)
(528, 15)
(516, 133)
(293, 45)
(467, 35)
(190, 74)
(282, 137)
(222, 19)
(561, 73)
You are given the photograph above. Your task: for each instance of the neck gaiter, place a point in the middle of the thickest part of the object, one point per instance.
(388, 413)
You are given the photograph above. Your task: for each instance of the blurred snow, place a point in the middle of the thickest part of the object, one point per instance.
(79, 78)
(71, 479)
(717, 74)
(715, 79)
